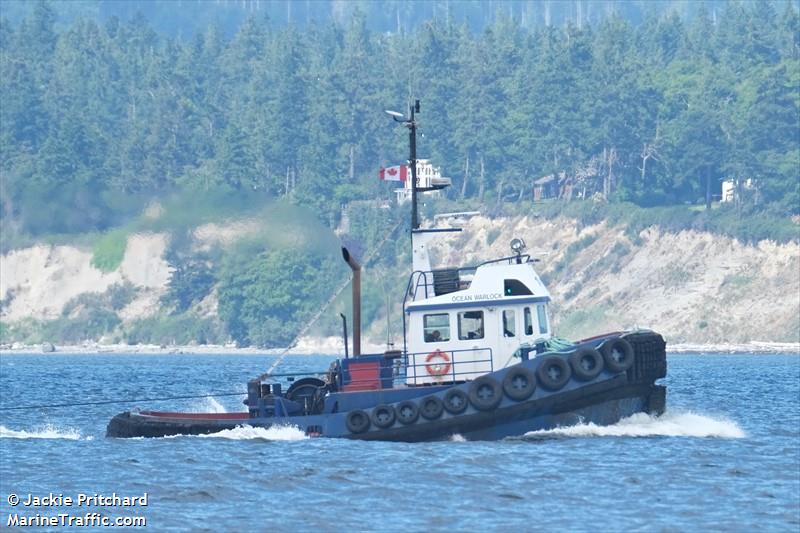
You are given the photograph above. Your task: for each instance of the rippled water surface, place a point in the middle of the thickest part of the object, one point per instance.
(725, 456)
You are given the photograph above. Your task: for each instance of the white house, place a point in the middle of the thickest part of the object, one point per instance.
(429, 180)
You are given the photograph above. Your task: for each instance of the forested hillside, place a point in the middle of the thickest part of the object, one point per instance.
(126, 144)
(98, 119)
(187, 17)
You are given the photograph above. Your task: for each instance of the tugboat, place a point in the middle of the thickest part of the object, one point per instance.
(479, 359)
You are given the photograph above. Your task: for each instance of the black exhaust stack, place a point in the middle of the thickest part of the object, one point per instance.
(356, 268)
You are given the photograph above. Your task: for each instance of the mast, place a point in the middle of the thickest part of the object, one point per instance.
(411, 124)
(412, 141)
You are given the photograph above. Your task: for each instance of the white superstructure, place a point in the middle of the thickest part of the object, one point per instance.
(463, 323)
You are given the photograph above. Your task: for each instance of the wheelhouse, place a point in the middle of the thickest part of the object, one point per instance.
(462, 323)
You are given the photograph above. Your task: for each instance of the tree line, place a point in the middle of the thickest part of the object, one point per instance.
(98, 118)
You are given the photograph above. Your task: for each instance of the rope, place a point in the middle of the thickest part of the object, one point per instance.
(324, 308)
(553, 344)
(109, 402)
(159, 399)
(557, 344)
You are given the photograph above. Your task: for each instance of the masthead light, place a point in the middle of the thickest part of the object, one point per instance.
(517, 245)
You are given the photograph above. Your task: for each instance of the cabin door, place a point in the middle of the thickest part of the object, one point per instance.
(509, 337)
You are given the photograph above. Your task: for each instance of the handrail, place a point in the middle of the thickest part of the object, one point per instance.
(405, 301)
(509, 258)
(400, 373)
(411, 362)
(412, 288)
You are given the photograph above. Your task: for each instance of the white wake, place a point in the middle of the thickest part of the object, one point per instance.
(48, 431)
(274, 433)
(678, 424)
(209, 404)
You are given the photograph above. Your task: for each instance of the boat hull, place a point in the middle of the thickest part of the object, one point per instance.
(602, 400)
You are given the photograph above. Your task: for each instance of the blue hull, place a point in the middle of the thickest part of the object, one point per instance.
(498, 405)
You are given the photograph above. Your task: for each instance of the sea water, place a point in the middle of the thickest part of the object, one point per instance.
(724, 457)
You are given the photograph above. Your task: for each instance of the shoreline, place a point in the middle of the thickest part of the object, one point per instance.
(333, 346)
(756, 347)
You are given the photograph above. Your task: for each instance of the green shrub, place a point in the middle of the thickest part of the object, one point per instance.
(492, 235)
(190, 281)
(610, 262)
(114, 298)
(572, 250)
(109, 250)
(675, 276)
(574, 290)
(27, 331)
(174, 329)
(737, 280)
(747, 225)
(87, 300)
(121, 294)
(90, 324)
(582, 323)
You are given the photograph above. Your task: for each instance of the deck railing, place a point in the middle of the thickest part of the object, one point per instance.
(375, 372)
(459, 365)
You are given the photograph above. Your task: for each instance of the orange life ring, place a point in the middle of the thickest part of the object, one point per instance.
(441, 368)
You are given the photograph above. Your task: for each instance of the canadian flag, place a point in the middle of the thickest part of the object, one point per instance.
(396, 173)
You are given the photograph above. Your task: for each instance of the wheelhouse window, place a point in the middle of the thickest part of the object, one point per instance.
(542, 316)
(470, 325)
(509, 323)
(436, 327)
(528, 321)
(514, 287)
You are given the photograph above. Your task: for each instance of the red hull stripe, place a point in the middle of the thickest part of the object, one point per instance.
(197, 416)
(613, 333)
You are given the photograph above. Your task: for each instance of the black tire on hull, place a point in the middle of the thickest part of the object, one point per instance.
(553, 373)
(586, 363)
(618, 354)
(431, 407)
(485, 393)
(519, 384)
(357, 421)
(383, 416)
(407, 412)
(456, 401)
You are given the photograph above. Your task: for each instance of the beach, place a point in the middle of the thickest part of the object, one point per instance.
(334, 346)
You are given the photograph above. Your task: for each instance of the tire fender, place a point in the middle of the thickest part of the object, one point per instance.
(456, 401)
(357, 421)
(407, 412)
(519, 383)
(485, 393)
(586, 363)
(383, 416)
(618, 354)
(553, 373)
(431, 407)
